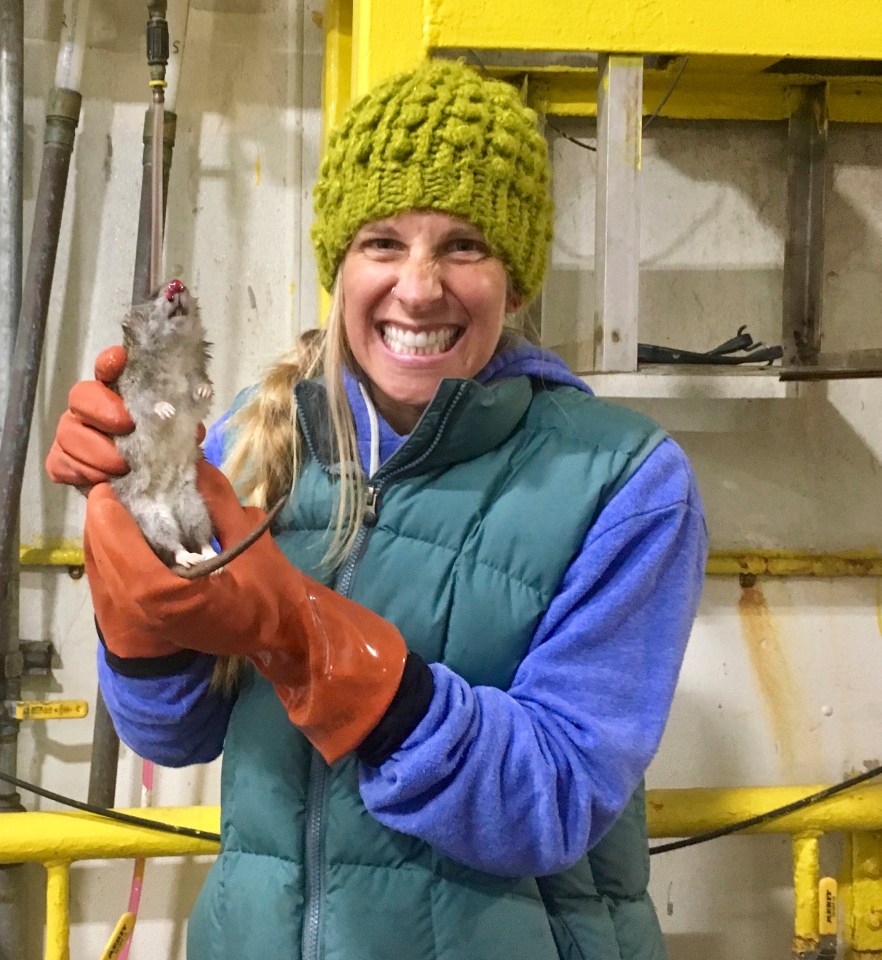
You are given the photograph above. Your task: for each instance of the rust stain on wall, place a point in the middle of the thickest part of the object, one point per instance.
(775, 680)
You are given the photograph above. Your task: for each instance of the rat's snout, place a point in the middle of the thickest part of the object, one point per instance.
(173, 288)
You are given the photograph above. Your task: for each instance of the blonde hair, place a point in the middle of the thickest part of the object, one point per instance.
(266, 456)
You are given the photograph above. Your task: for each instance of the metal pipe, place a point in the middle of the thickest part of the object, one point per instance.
(863, 925)
(783, 563)
(62, 116)
(151, 216)
(11, 191)
(721, 563)
(157, 59)
(141, 287)
(40, 837)
(105, 756)
(806, 874)
(57, 910)
(682, 813)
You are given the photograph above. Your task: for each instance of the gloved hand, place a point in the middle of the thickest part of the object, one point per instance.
(83, 452)
(335, 665)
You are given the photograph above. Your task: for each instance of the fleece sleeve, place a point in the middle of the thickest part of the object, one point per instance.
(165, 708)
(173, 719)
(523, 782)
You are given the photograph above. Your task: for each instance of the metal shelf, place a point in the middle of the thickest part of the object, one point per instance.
(686, 382)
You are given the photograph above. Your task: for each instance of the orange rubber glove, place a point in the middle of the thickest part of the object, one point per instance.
(83, 452)
(335, 665)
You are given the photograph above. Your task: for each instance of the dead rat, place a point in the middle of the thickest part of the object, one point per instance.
(166, 389)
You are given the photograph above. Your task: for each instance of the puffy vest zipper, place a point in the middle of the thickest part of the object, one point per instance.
(319, 771)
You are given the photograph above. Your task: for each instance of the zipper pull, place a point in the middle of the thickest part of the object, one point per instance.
(371, 506)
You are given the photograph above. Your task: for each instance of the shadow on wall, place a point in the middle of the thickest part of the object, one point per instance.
(745, 879)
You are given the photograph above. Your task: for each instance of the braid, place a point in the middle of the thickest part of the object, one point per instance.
(264, 460)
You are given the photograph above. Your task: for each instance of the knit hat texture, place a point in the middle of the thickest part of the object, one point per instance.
(441, 137)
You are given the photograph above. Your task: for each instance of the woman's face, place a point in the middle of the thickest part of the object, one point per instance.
(424, 299)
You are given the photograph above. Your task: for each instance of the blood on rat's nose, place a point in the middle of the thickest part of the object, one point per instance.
(173, 288)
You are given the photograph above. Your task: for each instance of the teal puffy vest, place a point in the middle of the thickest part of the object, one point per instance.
(469, 549)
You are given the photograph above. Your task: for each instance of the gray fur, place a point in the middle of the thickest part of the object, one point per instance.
(167, 391)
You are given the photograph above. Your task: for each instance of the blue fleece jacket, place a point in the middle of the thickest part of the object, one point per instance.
(552, 760)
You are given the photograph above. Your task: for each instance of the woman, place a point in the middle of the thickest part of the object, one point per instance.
(442, 756)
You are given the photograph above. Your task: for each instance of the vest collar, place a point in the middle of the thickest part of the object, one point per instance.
(464, 420)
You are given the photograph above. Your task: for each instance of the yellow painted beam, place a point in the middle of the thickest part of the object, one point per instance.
(681, 813)
(780, 563)
(43, 837)
(765, 28)
(709, 96)
(40, 837)
(57, 910)
(387, 38)
(806, 874)
(62, 553)
(863, 923)
(337, 67)
(771, 563)
(336, 88)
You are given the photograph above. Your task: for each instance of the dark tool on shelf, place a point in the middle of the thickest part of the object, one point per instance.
(739, 349)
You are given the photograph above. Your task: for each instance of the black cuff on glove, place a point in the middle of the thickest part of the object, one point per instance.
(409, 705)
(141, 667)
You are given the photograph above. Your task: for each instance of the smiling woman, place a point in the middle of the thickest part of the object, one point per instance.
(441, 756)
(423, 299)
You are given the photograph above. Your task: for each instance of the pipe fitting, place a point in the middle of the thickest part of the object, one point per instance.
(62, 117)
(169, 133)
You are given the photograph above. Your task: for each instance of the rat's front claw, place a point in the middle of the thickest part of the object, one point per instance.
(185, 558)
(204, 391)
(163, 409)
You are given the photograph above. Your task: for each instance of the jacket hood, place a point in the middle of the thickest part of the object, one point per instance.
(522, 358)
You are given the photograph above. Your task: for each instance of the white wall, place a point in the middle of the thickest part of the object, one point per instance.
(800, 473)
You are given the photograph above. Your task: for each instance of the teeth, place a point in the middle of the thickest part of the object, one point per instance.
(416, 344)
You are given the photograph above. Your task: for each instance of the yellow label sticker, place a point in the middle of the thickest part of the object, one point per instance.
(49, 709)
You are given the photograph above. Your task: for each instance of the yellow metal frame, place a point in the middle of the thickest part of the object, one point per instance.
(772, 563)
(730, 48)
(750, 28)
(58, 840)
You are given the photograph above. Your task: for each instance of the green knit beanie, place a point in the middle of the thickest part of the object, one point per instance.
(440, 137)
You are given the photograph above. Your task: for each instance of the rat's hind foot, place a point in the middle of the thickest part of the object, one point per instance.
(203, 392)
(163, 409)
(186, 559)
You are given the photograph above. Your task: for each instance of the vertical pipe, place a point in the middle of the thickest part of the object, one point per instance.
(105, 756)
(141, 283)
(105, 743)
(806, 873)
(863, 924)
(62, 116)
(11, 162)
(57, 910)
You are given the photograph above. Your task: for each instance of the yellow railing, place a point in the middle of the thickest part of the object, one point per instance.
(773, 563)
(59, 839)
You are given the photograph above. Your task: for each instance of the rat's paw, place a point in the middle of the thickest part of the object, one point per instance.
(186, 559)
(163, 409)
(203, 392)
